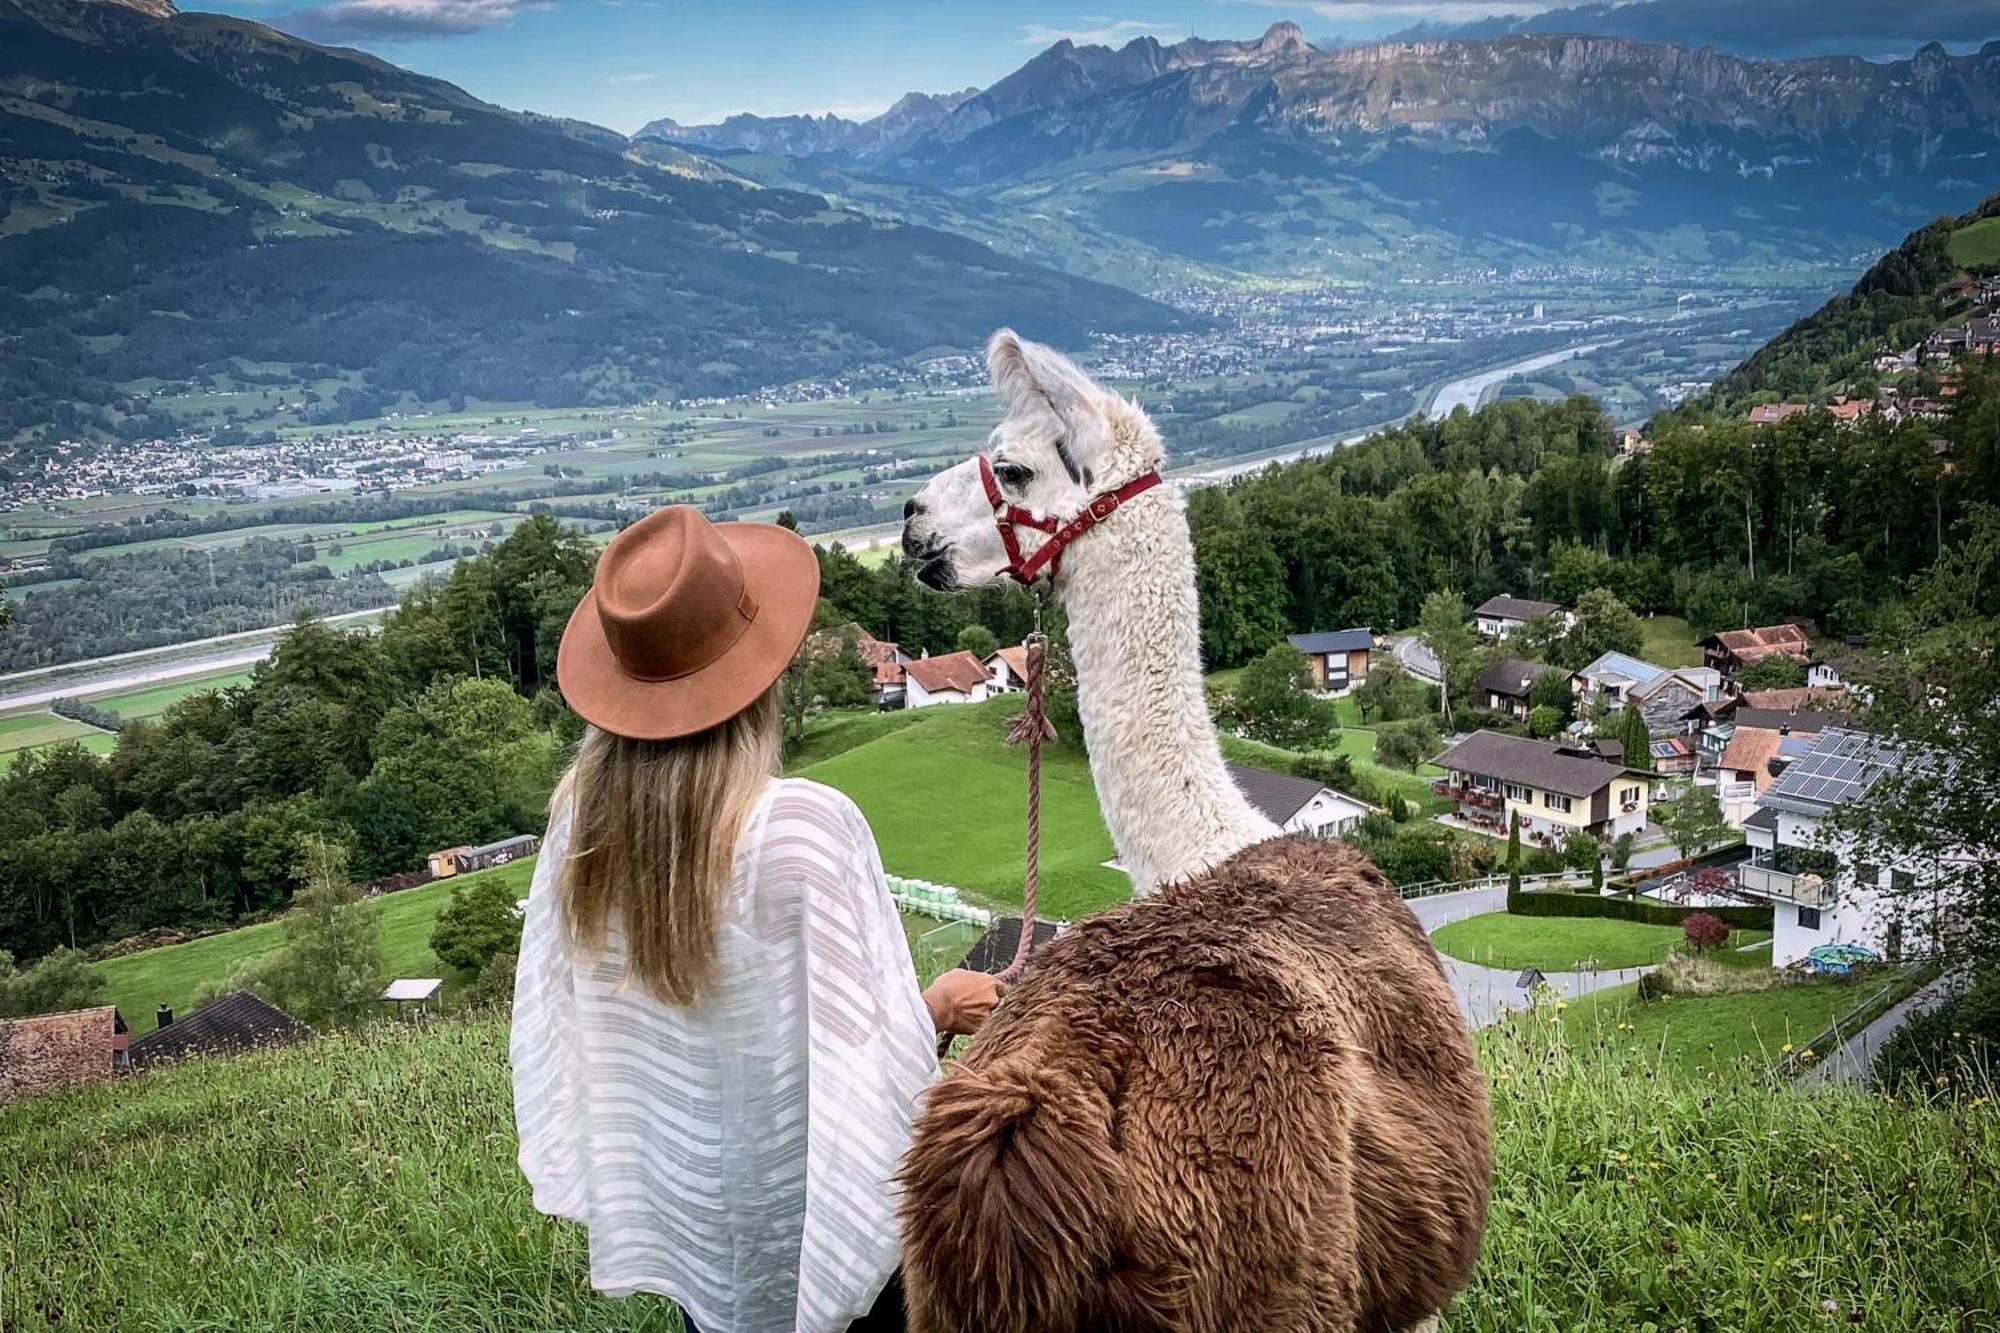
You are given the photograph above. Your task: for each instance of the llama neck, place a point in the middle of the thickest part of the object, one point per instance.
(1134, 631)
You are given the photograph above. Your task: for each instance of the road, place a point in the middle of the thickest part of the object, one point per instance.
(1416, 659)
(1488, 994)
(1468, 390)
(119, 672)
(1851, 1061)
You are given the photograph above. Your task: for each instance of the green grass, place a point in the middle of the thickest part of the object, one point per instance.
(1669, 642)
(22, 732)
(138, 983)
(369, 1182)
(948, 802)
(1730, 1036)
(842, 730)
(1560, 944)
(156, 699)
(1977, 245)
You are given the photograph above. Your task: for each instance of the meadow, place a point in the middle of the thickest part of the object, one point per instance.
(1563, 943)
(368, 1181)
(22, 732)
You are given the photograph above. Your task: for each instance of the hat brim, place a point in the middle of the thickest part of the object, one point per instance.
(780, 571)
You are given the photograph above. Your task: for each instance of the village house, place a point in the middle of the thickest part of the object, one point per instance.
(1982, 336)
(1730, 650)
(1555, 789)
(1887, 361)
(1338, 658)
(1300, 805)
(49, 1052)
(1505, 686)
(1673, 756)
(885, 664)
(234, 1023)
(1770, 414)
(949, 678)
(1662, 696)
(1751, 748)
(1502, 614)
(1007, 669)
(1807, 869)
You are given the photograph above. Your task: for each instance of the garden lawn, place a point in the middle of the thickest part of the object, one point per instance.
(172, 975)
(948, 802)
(1562, 944)
(840, 730)
(1732, 1036)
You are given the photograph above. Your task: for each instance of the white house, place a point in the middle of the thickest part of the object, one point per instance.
(1300, 805)
(950, 678)
(1499, 616)
(1007, 669)
(1807, 869)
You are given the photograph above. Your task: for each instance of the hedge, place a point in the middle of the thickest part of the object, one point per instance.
(1548, 903)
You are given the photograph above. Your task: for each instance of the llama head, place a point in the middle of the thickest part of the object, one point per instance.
(1061, 440)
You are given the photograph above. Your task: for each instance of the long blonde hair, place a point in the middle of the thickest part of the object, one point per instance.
(653, 831)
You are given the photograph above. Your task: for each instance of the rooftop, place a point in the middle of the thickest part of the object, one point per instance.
(1278, 795)
(236, 1022)
(1534, 763)
(1748, 645)
(1513, 676)
(1333, 641)
(1635, 669)
(947, 672)
(1506, 606)
(1841, 766)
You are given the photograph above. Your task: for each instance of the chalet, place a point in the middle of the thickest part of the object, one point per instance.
(1807, 869)
(1947, 340)
(1982, 336)
(1848, 411)
(497, 853)
(1007, 669)
(949, 678)
(49, 1052)
(1662, 696)
(885, 665)
(1556, 790)
(1673, 756)
(1887, 361)
(1770, 414)
(1501, 615)
(1730, 650)
(1505, 686)
(1338, 658)
(1299, 805)
(237, 1022)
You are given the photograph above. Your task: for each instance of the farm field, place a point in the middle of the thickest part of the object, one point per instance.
(1729, 1035)
(154, 700)
(1561, 944)
(22, 732)
(173, 975)
(388, 1197)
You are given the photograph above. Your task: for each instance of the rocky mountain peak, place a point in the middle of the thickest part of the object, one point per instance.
(1282, 38)
(159, 9)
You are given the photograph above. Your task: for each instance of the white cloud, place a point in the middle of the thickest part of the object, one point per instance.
(642, 77)
(1105, 31)
(392, 19)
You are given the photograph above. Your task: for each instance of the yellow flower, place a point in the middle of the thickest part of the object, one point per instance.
(1786, 1049)
(1713, 1177)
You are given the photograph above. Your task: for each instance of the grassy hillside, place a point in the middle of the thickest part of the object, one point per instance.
(370, 1183)
(139, 983)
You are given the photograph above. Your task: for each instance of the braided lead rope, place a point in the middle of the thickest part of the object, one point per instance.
(1034, 727)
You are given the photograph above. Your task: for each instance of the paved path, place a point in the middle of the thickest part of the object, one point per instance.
(1851, 1062)
(1416, 659)
(1488, 994)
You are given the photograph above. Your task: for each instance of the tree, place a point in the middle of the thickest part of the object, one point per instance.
(788, 520)
(1552, 689)
(1328, 768)
(1407, 744)
(1636, 738)
(57, 982)
(1603, 625)
(1442, 628)
(1775, 672)
(1692, 822)
(1388, 693)
(1275, 703)
(979, 641)
(329, 972)
(1514, 840)
(1544, 722)
(827, 672)
(478, 923)
(1704, 931)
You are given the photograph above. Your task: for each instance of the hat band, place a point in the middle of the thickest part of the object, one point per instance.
(723, 639)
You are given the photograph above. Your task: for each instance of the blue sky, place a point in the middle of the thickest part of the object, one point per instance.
(621, 63)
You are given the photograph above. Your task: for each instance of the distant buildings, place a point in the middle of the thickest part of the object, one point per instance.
(49, 1052)
(1507, 686)
(949, 678)
(237, 1022)
(1501, 615)
(1556, 790)
(1299, 805)
(1729, 651)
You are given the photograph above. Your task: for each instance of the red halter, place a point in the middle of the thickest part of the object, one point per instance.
(1008, 516)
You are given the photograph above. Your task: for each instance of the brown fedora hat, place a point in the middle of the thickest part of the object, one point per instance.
(686, 623)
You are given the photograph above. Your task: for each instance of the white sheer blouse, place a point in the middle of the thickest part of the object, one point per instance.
(736, 1156)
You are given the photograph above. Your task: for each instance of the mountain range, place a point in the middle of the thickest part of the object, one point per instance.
(1275, 156)
(192, 199)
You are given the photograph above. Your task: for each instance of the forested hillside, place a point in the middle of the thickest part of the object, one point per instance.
(188, 197)
(1903, 297)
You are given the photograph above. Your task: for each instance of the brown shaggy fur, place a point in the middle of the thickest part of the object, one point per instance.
(1246, 1103)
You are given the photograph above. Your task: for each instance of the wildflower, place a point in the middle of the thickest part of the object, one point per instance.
(1712, 1177)
(1786, 1049)
(1805, 1217)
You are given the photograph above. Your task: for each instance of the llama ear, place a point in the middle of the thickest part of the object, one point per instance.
(1031, 377)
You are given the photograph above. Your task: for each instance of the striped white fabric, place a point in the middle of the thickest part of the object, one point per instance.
(736, 1156)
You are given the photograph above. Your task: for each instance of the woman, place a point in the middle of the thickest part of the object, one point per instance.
(718, 1036)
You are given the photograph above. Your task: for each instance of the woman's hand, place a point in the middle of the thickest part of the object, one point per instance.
(960, 1000)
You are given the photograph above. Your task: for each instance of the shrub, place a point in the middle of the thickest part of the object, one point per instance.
(1406, 744)
(477, 924)
(494, 985)
(1328, 769)
(1627, 909)
(1544, 722)
(1704, 931)
(1694, 974)
(1621, 852)
(1580, 851)
(61, 980)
